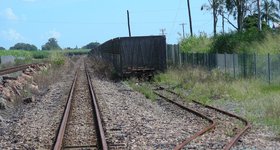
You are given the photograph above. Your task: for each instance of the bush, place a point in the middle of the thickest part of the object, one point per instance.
(194, 43)
(57, 58)
(236, 42)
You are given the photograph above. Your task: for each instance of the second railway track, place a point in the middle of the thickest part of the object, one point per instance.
(227, 127)
(81, 124)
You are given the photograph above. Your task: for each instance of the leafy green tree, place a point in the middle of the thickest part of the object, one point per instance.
(51, 45)
(2, 48)
(91, 45)
(238, 9)
(270, 12)
(251, 23)
(24, 46)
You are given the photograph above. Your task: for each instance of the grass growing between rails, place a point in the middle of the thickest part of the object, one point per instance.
(253, 99)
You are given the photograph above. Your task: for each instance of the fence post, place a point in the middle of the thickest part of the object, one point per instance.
(255, 63)
(192, 59)
(225, 55)
(179, 55)
(208, 60)
(233, 61)
(244, 65)
(197, 59)
(269, 71)
(173, 54)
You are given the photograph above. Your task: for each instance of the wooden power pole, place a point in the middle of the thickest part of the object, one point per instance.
(128, 23)
(190, 17)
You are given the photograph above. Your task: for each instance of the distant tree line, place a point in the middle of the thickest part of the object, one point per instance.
(24, 46)
(51, 44)
(91, 45)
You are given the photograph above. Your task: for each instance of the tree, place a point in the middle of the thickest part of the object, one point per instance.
(238, 10)
(91, 45)
(24, 46)
(2, 48)
(51, 45)
(270, 12)
(217, 8)
(251, 23)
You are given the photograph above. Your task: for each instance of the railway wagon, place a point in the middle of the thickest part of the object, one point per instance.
(138, 55)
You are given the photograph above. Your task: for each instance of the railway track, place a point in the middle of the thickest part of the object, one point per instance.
(81, 127)
(16, 68)
(223, 132)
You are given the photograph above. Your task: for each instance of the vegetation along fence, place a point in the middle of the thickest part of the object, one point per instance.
(265, 67)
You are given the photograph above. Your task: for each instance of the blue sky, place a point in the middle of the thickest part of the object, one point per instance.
(79, 22)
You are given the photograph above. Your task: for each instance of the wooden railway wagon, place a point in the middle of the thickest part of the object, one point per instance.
(134, 55)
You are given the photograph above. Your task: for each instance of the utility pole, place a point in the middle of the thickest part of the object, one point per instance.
(183, 27)
(190, 17)
(162, 31)
(128, 23)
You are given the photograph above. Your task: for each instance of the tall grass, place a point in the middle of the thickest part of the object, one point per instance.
(270, 44)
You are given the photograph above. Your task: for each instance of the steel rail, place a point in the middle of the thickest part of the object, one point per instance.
(197, 134)
(101, 135)
(14, 69)
(100, 130)
(62, 127)
(234, 140)
(239, 134)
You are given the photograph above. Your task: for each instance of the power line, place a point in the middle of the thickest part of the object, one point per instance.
(175, 18)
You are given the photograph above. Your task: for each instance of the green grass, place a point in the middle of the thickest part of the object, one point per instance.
(270, 44)
(256, 100)
(143, 88)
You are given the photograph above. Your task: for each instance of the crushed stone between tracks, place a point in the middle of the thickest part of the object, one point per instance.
(133, 122)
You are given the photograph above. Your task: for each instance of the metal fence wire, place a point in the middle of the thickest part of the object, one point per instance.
(264, 67)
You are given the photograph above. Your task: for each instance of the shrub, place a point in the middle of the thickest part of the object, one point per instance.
(194, 43)
(236, 42)
(57, 58)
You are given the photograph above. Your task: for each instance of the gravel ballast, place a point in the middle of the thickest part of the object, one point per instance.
(133, 122)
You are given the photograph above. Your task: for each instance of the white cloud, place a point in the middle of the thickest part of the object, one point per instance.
(10, 15)
(12, 35)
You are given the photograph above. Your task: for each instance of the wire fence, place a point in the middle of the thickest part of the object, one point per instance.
(264, 67)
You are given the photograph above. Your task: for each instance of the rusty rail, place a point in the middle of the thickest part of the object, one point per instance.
(62, 127)
(237, 136)
(100, 130)
(15, 69)
(197, 134)
(230, 144)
